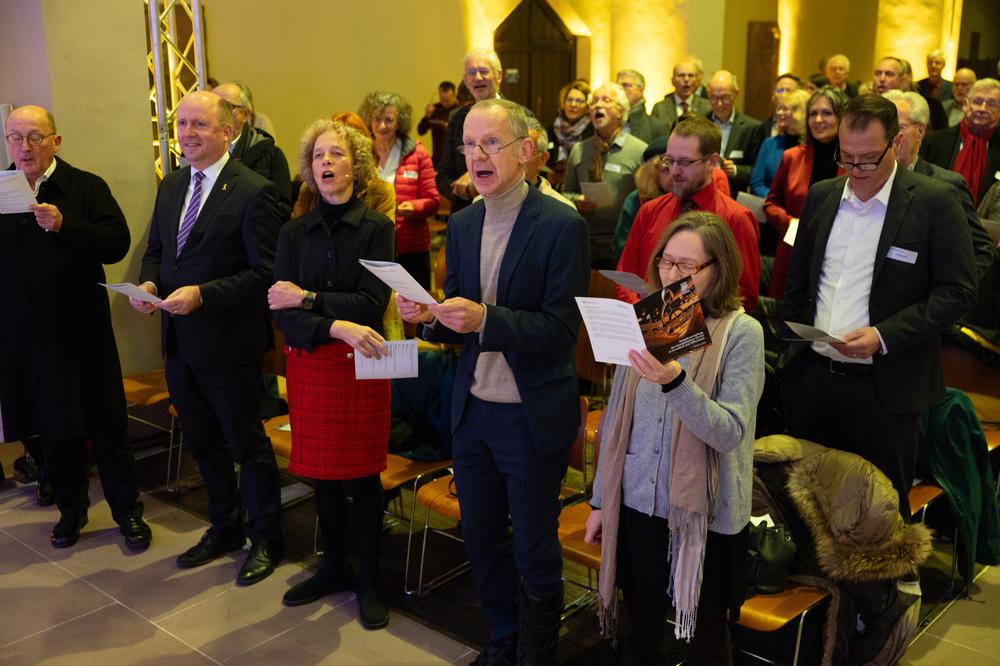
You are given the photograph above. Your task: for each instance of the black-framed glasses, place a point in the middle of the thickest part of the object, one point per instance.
(684, 268)
(861, 166)
(492, 146)
(664, 163)
(33, 139)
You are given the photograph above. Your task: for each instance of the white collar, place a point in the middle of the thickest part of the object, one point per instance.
(882, 196)
(212, 172)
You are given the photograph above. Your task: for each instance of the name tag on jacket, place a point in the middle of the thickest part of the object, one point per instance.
(614, 168)
(899, 254)
(735, 154)
(410, 174)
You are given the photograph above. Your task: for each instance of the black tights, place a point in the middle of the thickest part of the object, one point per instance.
(331, 501)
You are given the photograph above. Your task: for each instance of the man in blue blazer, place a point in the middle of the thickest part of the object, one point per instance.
(516, 261)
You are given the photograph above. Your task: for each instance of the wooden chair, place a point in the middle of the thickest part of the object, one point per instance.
(768, 613)
(145, 390)
(598, 374)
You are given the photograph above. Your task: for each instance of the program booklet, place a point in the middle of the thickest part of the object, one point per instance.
(672, 321)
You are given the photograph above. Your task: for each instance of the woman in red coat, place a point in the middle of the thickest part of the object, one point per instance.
(406, 165)
(330, 308)
(800, 167)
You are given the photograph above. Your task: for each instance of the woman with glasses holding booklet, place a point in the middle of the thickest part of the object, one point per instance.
(672, 490)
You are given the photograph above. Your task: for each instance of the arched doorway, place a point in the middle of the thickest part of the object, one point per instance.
(538, 53)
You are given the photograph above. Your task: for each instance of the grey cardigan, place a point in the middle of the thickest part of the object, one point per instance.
(725, 421)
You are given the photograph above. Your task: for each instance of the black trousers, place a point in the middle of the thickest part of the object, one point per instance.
(65, 463)
(499, 473)
(219, 416)
(844, 412)
(331, 510)
(419, 266)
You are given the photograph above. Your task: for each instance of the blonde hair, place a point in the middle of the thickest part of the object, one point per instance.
(796, 99)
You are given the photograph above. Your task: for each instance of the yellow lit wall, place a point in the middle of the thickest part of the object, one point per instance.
(812, 29)
(911, 29)
(650, 37)
(734, 45)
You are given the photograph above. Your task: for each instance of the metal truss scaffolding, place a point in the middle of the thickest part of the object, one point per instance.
(176, 62)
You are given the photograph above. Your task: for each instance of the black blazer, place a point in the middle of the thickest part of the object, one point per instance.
(323, 258)
(60, 375)
(535, 322)
(742, 148)
(909, 304)
(256, 149)
(941, 148)
(229, 254)
(666, 109)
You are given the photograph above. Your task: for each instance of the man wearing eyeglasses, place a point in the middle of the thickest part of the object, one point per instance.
(692, 155)
(883, 260)
(253, 146)
(516, 261)
(971, 148)
(60, 375)
(739, 131)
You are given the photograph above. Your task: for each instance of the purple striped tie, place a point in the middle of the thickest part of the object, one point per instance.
(192, 213)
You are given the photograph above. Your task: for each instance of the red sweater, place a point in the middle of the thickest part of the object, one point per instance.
(654, 217)
(415, 183)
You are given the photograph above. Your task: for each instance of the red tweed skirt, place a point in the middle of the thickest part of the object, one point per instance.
(340, 426)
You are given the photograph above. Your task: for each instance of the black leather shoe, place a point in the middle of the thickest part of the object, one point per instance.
(502, 652)
(26, 468)
(44, 495)
(374, 614)
(314, 588)
(213, 543)
(67, 530)
(260, 563)
(136, 532)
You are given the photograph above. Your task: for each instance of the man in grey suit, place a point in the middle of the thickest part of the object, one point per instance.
(740, 139)
(640, 124)
(686, 80)
(883, 260)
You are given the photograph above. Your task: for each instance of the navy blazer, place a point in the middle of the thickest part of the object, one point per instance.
(910, 303)
(229, 254)
(535, 321)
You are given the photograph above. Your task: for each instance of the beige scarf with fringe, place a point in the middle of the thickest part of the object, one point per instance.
(694, 481)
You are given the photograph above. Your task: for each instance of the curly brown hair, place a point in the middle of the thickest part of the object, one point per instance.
(359, 145)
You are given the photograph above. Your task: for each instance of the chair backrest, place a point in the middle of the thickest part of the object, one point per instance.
(586, 366)
(577, 452)
(440, 272)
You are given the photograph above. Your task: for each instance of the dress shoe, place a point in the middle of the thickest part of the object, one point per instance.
(213, 543)
(374, 614)
(135, 530)
(25, 466)
(260, 563)
(317, 587)
(500, 652)
(44, 495)
(67, 530)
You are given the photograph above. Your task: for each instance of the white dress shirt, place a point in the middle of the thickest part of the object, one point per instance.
(207, 183)
(845, 279)
(44, 177)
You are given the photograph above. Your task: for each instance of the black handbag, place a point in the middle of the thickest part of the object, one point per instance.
(770, 557)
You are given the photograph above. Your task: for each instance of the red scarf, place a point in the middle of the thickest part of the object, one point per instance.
(971, 159)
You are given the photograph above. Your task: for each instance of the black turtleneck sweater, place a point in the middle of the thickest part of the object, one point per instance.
(823, 165)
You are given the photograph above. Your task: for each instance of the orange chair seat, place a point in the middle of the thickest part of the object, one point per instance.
(145, 389)
(281, 440)
(572, 526)
(992, 438)
(593, 420)
(437, 496)
(987, 406)
(770, 612)
(921, 495)
(400, 470)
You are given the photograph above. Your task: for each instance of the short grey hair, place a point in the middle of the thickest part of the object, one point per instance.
(359, 145)
(517, 117)
(639, 78)
(621, 99)
(694, 61)
(489, 54)
(378, 101)
(542, 140)
(983, 84)
(839, 55)
(246, 96)
(936, 53)
(919, 111)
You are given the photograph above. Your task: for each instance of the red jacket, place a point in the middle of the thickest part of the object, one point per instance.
(784, 202)
(655, 216)
(415, 183)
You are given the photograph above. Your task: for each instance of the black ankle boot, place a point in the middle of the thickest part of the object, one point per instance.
(538, 633)
(330, 578)
(373, 613)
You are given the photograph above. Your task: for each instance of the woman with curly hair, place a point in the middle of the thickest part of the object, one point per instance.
(330, 308)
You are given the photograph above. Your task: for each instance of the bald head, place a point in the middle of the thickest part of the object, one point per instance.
(238, 100)
(204, 128)
(38, 114)
(960, 84)
(722, 92)
(32, 141)
(837, 69)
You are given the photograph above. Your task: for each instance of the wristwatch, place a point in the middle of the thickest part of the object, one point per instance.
(308, 299)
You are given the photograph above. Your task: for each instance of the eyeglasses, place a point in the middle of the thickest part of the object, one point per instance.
(602, 100)
(683, 268)
(861, 166)
(664, 163)
(988, 103)
(492, 146)
(720, 98)
(33, 139)
(576, 101)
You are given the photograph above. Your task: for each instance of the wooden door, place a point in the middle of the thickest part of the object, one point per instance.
(763, 40)
(538, 54)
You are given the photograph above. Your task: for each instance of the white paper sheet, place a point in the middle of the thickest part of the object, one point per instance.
(400, 363)
(399, 280)
(15, 193)
(810, 333)
(627, 280)
(754, 203)
(612, 327)
(793, 230)
(132, 291)
(599, 193)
